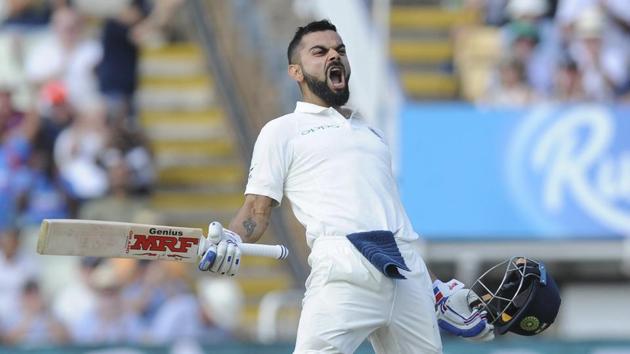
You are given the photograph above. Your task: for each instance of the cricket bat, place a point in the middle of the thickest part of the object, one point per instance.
(69, 237)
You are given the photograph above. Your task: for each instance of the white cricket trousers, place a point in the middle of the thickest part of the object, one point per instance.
(348, 300)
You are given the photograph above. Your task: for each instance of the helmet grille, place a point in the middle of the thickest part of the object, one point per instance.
(505, 288)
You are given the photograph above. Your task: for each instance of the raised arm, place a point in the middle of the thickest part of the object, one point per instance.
(252, 219)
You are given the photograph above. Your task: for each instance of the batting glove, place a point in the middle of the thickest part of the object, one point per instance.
(223, 255)
(454, 314)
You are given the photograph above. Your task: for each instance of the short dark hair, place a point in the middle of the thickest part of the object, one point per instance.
(315, 26)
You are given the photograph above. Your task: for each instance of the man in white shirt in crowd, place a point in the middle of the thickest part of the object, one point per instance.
(368, 280)
(67, 56)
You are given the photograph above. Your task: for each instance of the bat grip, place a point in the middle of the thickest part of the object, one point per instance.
(215, 232)
(271, 251)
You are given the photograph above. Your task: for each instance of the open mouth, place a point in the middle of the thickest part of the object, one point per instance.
(336, 77)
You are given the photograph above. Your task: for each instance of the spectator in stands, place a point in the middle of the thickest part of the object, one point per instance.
(32, 323)
(178, 318)
(79, 149)
(15, 124)
(146, 290)
(118, 204)
(510, 88)
(533, 40)
(56, 112)
(132, 147)
(222, 301)
(118, 69)
(150, 30)
(77, 298)
(200, 317)
(110, 321)
(16, 268)
(493, 10)
(67, 57)
(133, 25)
(568, 85)
(12, 155)
(28, 13)
(182, 317)
(615, 18)
(44, 196)
(17, 130)
(604, 68)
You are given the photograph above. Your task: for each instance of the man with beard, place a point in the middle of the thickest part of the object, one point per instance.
(367, 278)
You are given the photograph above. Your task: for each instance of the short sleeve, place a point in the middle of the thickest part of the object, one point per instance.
(379, 134)
(270, 163)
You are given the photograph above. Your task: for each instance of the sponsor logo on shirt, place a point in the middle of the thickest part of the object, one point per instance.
(319, 128)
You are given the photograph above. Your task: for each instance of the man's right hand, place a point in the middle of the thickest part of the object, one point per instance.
(455, 315)
(223, 255)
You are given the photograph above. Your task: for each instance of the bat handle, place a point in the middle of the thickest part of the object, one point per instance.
(215, 234)
(270, 251)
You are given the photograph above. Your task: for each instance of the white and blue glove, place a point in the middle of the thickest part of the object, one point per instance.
(221, 253)
(454, 314)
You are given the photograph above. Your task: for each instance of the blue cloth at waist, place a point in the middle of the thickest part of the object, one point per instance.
(380, 248)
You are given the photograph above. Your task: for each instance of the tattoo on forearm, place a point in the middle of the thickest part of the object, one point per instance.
(249, 226)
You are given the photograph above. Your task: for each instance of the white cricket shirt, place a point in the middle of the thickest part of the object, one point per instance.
(336, 172)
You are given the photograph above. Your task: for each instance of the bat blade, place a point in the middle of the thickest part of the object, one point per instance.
(116, 239)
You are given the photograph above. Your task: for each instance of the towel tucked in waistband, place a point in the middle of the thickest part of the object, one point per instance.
(379, 247)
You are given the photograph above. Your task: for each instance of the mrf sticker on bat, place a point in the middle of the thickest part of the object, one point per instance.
(162, 242)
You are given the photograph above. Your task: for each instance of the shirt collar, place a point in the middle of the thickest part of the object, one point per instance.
(305, 107)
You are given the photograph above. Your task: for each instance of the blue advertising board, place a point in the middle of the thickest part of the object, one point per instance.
(542, 172)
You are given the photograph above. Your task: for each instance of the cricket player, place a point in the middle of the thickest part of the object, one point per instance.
(367, 277)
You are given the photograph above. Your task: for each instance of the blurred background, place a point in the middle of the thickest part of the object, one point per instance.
(508, 120)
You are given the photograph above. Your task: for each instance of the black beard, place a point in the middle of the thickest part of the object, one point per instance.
(321, 90)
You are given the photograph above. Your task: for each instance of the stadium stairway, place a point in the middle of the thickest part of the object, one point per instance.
(199, 174)
(421, 46)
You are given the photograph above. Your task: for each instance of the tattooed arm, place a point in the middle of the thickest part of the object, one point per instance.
(252, 219)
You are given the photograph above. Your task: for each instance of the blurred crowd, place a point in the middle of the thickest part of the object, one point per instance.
(560, 51)
(115, 301)
(71, 146)
(76, 140)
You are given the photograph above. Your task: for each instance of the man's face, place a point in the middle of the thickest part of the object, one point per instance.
(324, 64)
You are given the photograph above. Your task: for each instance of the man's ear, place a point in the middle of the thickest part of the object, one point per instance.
(295, 72)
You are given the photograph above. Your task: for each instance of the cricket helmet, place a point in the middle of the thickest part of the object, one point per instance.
(519, 296)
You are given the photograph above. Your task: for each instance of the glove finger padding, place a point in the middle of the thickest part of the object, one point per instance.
(221, 251)
(484, 336)
(488, 333)
(456, 317)
(236, 263)
(228, 260)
